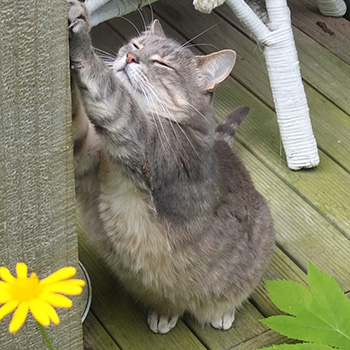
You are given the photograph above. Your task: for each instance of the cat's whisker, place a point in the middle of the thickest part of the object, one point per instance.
(155, 116)
(143, 19)
(104, 53)
(106, 58)
(107, 61)
(168, 142)
(167, 112)
(188, 139)
(200, 34)
(133, 25)
(155, 112)
(196, 110)
(203, 44)
(152, 113)
(152, 12)
(170, 117)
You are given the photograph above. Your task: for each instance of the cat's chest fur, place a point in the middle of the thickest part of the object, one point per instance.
(128, 218)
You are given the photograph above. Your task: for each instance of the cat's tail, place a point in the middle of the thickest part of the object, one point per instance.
(226, 130)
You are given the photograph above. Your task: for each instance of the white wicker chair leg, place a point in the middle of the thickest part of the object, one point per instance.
(332, 8)
(282, 64)
(93, 5)
(283, 68)
(103, 10)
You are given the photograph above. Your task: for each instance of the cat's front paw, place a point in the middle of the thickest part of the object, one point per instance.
(223, 322)
(79, 39)
(161, 324)
(78, 17)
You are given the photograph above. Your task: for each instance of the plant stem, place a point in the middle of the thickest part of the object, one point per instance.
(45, 336)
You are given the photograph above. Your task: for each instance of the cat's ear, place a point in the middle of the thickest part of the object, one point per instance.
(156, 28)
(216, 67)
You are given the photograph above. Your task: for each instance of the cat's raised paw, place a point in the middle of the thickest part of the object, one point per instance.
(224, 322)
(78, 17)
(161, 324)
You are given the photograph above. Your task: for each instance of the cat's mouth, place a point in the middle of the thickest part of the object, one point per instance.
(126, 79)
(123, 76)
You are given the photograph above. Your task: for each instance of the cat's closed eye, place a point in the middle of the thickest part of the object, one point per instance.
(162, 63)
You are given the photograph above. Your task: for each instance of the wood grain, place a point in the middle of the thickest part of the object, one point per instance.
(37, 207)
(310, 208)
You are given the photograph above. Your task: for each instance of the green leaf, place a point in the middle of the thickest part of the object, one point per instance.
(329, 299)
(325, 319)
(289, 296)
(303, 346)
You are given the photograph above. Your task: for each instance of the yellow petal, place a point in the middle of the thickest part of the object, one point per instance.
(22, 270)
(19, 317)
(5, 275)
(56, 300)
(43, 312)
(4, 293)
(60, 275)
(53, 316)
(39, 309)
(8, 308)
(71, 287)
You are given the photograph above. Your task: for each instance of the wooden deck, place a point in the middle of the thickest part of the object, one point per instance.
(311, 208)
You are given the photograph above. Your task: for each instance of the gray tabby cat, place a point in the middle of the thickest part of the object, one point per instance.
(172, 209)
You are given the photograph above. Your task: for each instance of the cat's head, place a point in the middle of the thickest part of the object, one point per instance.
(167, 77)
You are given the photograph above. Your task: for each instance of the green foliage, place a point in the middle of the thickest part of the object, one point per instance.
(302, 346)
(319, 315)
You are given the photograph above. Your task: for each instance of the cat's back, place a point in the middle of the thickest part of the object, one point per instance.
(242, 214)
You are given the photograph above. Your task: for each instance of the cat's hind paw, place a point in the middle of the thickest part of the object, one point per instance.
(224, 322)
(161, 324)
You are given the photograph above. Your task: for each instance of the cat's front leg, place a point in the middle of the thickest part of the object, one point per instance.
(79, 28)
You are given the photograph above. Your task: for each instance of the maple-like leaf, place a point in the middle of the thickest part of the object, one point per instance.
(289, 296)
(320, 315)
(302, 346)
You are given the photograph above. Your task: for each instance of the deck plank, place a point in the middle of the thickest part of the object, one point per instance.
(125, 322)
(260, 134)
(121, 316)
(322, 187)
(322, 69)
(280, 267)
(310, 210)
(263, 340)
(96, 337)
(250, 71)
(246, 326)
(332, 33)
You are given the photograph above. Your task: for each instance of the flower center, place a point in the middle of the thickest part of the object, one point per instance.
(24, 289)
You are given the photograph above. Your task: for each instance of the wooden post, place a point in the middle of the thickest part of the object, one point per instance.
(37, 209)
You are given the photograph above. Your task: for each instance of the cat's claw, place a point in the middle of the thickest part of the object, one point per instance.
(78, 17)
(224, 322)
(77, 26)
(161, 324)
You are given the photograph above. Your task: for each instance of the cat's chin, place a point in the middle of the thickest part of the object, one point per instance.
(125, 80)
(139, 96)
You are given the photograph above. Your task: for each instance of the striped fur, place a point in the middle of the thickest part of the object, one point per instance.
(171, 208)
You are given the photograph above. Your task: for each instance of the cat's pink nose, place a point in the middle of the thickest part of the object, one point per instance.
(130, 57)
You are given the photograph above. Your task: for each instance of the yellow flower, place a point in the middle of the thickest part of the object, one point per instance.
(24, 294)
